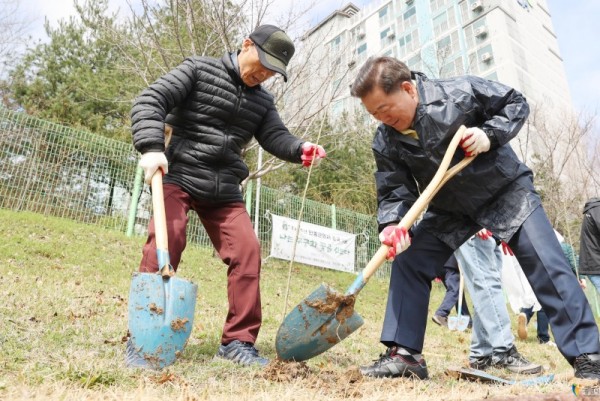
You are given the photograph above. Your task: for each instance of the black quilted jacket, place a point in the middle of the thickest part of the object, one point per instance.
(495, 191)
(589, 252)
(213, 115)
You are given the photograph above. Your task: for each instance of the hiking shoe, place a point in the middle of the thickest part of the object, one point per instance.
(587, 366)
(516, 363)
(397, 362)
(441, 320)
(547, 342)
(481, 363)
(522, 326)
(242, 353)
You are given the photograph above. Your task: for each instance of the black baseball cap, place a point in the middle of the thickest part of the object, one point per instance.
(275, 49)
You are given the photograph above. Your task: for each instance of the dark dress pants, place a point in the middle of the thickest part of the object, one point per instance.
(540, 255)
(556, 287)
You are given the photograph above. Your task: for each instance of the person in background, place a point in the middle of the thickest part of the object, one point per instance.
(492, 341)
(451, 278)
(589, 242)
(215, 107)
(419, 117)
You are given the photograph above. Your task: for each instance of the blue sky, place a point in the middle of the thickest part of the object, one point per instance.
(574, 23)
(578, 30)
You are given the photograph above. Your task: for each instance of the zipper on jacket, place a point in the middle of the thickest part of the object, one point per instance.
(236, 110)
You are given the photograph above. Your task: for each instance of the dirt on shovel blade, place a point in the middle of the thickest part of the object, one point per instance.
(341, 305)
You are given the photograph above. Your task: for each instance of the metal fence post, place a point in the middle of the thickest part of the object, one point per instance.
(249, 188)
(333, 217)
(135, 197)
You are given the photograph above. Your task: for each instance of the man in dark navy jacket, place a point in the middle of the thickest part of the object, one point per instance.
(215, 107)
(419, 118)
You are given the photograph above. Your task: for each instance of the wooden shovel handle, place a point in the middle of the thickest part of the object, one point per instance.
(160, 219)
(439, 179)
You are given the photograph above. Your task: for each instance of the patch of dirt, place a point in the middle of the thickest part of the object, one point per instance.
(343, 384)
(179, 324)
(285, 371)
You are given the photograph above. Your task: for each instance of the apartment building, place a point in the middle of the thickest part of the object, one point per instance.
(511, 41)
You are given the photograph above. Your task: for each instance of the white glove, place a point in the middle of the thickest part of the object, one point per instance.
(474, 142)
(152, 161)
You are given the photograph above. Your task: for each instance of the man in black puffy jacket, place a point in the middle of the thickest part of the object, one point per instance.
(589, 242)
(215, 107)
(419, 117)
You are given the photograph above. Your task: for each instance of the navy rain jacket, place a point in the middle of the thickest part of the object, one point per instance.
(495, 191)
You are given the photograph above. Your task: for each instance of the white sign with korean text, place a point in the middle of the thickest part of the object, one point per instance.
(316, 245)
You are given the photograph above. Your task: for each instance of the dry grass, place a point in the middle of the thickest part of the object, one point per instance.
(64, 316)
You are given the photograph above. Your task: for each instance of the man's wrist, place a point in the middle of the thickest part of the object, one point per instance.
(492, 137)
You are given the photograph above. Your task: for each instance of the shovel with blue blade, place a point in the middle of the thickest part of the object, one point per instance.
(459, 322)
(161, 305)
(326, 317)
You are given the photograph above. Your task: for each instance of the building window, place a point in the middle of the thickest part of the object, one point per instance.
(409, 43)
(386, 37)
(410, 17)
(481, 60)
(444, 22)
(415, 63)
(390, 53)
(447, 46)
(384, 15)
(358, 33)
(437, 4)
(452, 68)
(492, 77)
(361, 52)
(335, 44)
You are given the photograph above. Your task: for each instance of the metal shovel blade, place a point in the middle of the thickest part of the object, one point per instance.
(320, 321)
(479, 375)
(458, 323)
(161, 317)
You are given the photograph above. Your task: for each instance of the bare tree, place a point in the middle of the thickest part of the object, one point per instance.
(563, 153)
(13, 29)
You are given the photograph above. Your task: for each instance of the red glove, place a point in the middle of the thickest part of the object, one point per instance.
(312, 154)
(506, 249)
(484, 234)
(396, 238)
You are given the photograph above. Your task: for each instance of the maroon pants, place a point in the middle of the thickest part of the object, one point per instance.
(230, 230)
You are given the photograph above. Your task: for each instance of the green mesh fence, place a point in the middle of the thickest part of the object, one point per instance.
(59, 171)
(54, 170)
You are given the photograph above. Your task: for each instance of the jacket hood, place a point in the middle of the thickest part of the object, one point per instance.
(590, 204)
